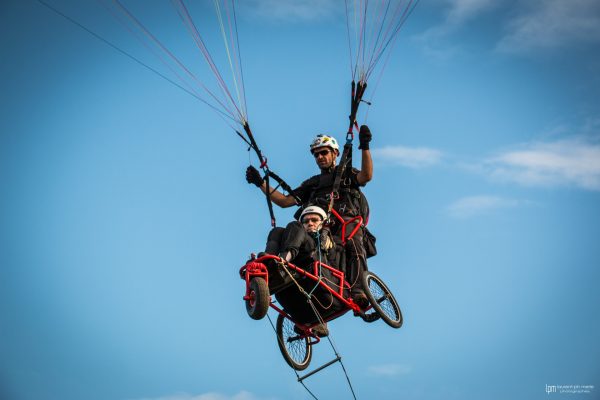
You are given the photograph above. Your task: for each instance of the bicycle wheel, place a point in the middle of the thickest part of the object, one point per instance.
(258, 303)
(296, 350)
(382, 299)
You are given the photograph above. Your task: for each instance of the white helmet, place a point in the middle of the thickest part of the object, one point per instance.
(313, 210)
(324, 141)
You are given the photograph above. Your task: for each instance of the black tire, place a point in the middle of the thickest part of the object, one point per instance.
(382, 299)
(258, 303)
(296, 350)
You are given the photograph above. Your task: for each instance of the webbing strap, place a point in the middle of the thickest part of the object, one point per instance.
(358, 89)
(269, 201)
(339, 173)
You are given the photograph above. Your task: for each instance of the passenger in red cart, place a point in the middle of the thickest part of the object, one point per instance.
(302, 243)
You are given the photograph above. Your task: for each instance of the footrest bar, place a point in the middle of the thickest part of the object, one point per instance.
(301, 378)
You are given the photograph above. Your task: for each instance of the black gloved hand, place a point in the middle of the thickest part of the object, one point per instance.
(253, 176)
(364, 136)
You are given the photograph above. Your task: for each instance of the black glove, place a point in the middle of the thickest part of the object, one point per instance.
(253, 176)
(364, 136)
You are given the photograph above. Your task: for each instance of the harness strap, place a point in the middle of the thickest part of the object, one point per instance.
(339, 173)
(269, 201)
(358, 89)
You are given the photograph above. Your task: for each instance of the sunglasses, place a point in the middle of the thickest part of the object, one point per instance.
(316, 154)
(314, 220)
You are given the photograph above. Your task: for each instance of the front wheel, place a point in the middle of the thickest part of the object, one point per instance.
(382, 299)
(257, 305)
(296, 349)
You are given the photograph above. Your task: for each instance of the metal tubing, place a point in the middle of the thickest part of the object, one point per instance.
(301, 378)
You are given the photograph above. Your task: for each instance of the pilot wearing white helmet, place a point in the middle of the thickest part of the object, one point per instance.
(349, 203)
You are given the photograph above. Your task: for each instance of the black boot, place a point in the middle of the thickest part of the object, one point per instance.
(360, 298)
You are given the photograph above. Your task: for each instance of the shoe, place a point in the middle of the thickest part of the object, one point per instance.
(321, 330)
(374, 316)
(360, 298)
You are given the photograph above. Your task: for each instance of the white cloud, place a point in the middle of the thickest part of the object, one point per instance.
(477, 205)
(552, 24)
(573, 161)
(390, 369)
(412, 157)
(569, 162)
(243, 395)
(464, 10)
(459, 13)
(292, 10)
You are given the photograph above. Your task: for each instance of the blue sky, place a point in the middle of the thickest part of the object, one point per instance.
(125, 215)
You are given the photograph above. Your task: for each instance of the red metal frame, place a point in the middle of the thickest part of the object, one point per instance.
(251, 270)
(359, 222)
(256, 267)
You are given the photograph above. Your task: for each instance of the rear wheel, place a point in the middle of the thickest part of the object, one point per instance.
(296, 350)
(258, 303)
(382, 299)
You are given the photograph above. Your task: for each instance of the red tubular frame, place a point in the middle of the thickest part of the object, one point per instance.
(256, 268)
(359, 222)
(251, 270)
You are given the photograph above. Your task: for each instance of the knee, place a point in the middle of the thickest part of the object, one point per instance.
(293, 225)
(275, 233)
(274, 240)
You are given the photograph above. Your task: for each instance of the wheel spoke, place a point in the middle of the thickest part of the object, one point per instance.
(382, 298)
(294, 338)
(295, 348)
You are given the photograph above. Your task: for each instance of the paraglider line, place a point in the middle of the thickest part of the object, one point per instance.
(376, 44)
(239, 57)
(226, 44)
(349, 40)
(169, 53)
(123, 52)
(187, 19)
(159, 56)
(407, 11)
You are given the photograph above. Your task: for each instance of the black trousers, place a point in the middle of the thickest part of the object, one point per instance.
(303, 246)
(293, 239)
